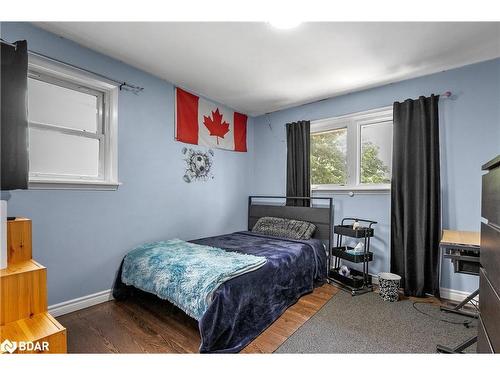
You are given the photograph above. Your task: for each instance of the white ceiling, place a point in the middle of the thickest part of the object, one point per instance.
(255, 68)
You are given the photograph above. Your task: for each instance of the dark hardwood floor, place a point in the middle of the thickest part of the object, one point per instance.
(145, 324)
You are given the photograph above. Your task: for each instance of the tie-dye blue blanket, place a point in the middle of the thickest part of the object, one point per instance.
(184, 273)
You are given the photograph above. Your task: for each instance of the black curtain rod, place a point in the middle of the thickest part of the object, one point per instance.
(122, 85)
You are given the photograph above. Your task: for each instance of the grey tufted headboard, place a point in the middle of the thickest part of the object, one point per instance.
(319, 215)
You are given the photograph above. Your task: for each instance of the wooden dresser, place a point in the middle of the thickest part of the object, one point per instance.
(489, 284)
(25, 324)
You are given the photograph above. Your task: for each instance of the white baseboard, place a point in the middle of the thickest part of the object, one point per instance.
(80, 303)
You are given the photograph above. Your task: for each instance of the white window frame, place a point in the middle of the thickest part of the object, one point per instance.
(107, 128)
(353, 123)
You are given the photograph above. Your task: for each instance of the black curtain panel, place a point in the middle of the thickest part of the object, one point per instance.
(298, 175)
(14, 125)
(416, 196)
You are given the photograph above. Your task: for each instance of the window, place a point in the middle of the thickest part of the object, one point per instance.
(329, 157)
(352, 152)
(72, 128)
(376, 147)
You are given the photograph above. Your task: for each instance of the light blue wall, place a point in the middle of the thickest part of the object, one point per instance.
(470, 136)
(81, 236)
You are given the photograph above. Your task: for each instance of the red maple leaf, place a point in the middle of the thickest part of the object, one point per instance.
(215, 125)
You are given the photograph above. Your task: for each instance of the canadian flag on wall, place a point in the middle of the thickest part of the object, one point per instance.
(201, 122)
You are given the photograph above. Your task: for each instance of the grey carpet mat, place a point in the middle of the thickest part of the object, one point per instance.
(367, 324)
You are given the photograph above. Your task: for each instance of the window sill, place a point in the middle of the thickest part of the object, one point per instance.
(72, 185)
(352, 190)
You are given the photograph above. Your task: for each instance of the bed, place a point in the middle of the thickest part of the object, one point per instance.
(245, 305)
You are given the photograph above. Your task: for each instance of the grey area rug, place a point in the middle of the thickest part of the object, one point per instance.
(367, 324)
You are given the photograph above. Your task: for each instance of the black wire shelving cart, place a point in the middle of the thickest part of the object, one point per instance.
(358, 282)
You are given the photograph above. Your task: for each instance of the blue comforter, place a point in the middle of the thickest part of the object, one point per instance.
(184, 273)
(244, 306)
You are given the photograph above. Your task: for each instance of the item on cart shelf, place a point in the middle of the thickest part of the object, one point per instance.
(345, 271)
(355, 225)
(359, 248)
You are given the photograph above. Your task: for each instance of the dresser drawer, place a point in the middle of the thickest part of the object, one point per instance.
(483, 342)
(490, 208)
(490, 253)
(489, 305)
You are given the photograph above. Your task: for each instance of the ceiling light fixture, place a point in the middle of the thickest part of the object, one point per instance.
(284, 24)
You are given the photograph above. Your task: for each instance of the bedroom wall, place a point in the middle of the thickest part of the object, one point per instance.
(81, 236)
(470, 136)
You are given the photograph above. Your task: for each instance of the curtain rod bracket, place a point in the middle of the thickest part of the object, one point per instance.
(133, 88)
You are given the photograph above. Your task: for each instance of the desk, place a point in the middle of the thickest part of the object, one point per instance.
(462, 248)
(460, 238)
